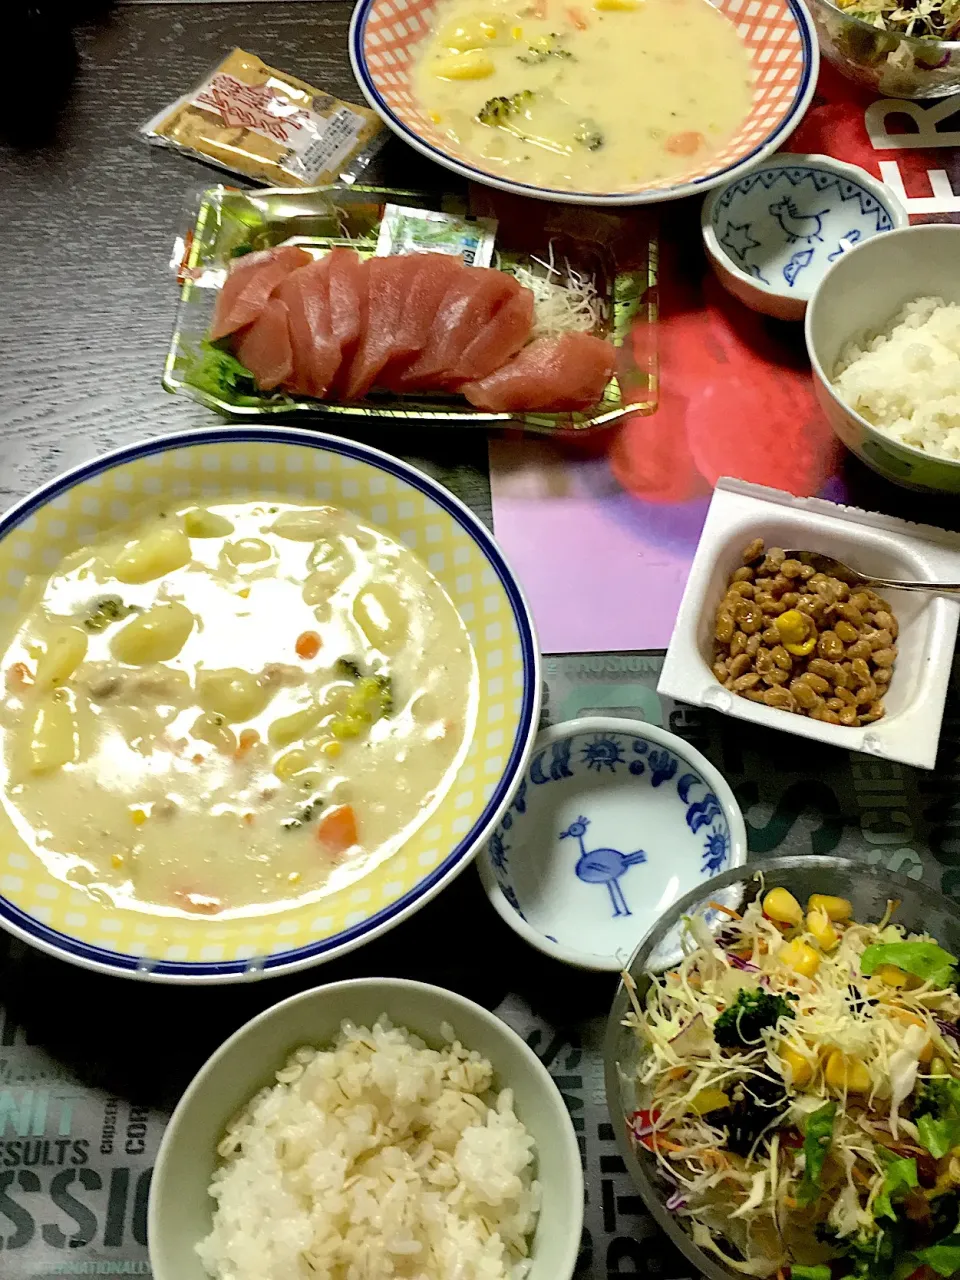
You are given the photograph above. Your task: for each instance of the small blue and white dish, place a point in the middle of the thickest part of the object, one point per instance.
(771, 235)
(613, 822)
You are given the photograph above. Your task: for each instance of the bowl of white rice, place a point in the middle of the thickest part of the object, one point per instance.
(883, 334)
(375, 1128)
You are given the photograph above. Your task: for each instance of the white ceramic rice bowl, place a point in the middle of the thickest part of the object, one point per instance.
(180, 1210)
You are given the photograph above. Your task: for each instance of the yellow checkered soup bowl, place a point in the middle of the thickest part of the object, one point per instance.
(285, 464)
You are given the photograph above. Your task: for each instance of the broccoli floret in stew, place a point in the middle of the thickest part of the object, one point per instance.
(752, 1012)
(500, 112)
(542, 48)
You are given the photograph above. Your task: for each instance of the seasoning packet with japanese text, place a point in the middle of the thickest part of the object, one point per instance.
(268, 126)
(404, 230)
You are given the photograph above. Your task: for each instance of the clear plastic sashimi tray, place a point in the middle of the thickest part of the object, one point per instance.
(617, 256)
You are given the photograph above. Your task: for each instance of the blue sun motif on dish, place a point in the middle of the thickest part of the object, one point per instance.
(715, 851)
(602, 753)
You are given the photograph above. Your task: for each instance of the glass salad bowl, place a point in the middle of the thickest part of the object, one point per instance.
(920, 910)
(888, 62)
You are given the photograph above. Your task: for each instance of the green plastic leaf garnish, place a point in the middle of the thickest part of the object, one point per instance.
(816, 1144)
(925, 960)
(221, 374)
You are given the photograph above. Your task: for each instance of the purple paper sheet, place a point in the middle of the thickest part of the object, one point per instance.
(601, 569)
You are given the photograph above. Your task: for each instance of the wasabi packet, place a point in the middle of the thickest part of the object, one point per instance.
(261, 123)
(409, 230)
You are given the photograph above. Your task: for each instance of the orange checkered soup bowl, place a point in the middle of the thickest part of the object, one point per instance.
(387, 36)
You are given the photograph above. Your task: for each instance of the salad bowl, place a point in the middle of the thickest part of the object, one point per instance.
(917, 909)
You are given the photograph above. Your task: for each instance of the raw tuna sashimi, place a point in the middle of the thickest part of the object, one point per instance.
(316, 353)
(264, 346)
(251, 281)
(435, 274)
(499, 339)
(472, 298)
(555, 374)
(347, 289)
(388, 283)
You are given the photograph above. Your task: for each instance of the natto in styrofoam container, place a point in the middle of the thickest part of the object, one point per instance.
(872, 543)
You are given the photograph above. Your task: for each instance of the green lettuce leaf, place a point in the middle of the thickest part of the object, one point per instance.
(925, 960)
(901, 1175)
(936, 1113)
(944, 1256)
(816, 1144)
(810, 1273)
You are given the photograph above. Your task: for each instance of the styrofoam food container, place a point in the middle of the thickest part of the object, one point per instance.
(872, 543)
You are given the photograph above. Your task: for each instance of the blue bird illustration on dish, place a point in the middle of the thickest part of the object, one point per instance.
(846, 242)
(802, 258)
(796, 225)
(603, 866)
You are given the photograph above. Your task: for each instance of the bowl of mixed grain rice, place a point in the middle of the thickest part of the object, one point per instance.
(378, 1128)
(883, 335)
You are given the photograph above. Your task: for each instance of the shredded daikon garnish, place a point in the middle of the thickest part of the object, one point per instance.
(564, 300)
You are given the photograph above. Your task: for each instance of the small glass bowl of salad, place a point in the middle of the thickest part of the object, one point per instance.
(787, 1097)
(899, 48)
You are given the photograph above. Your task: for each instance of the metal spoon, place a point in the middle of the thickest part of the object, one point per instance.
(837, 569)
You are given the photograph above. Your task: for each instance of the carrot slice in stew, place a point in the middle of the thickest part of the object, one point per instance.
(576, 17)
(246, 742)
(337, 830)
(308, 645)
(19, 676)
(684, 144)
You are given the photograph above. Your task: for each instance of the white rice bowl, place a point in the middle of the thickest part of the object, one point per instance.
(378, 1157)
(906, 380)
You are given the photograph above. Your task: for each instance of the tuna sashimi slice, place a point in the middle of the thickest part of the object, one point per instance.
(251, 281)
(348, 310)
(388, 283)
(316, 353)
(499, 339)
(264, 346)
(555, 374)
(472, 298)
(347, 289)
(435, 274)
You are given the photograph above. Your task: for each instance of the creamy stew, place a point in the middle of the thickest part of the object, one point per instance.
(589, 96)
(232, 706)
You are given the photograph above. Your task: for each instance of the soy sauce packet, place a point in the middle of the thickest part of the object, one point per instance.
(263, 124)
(408, 230)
